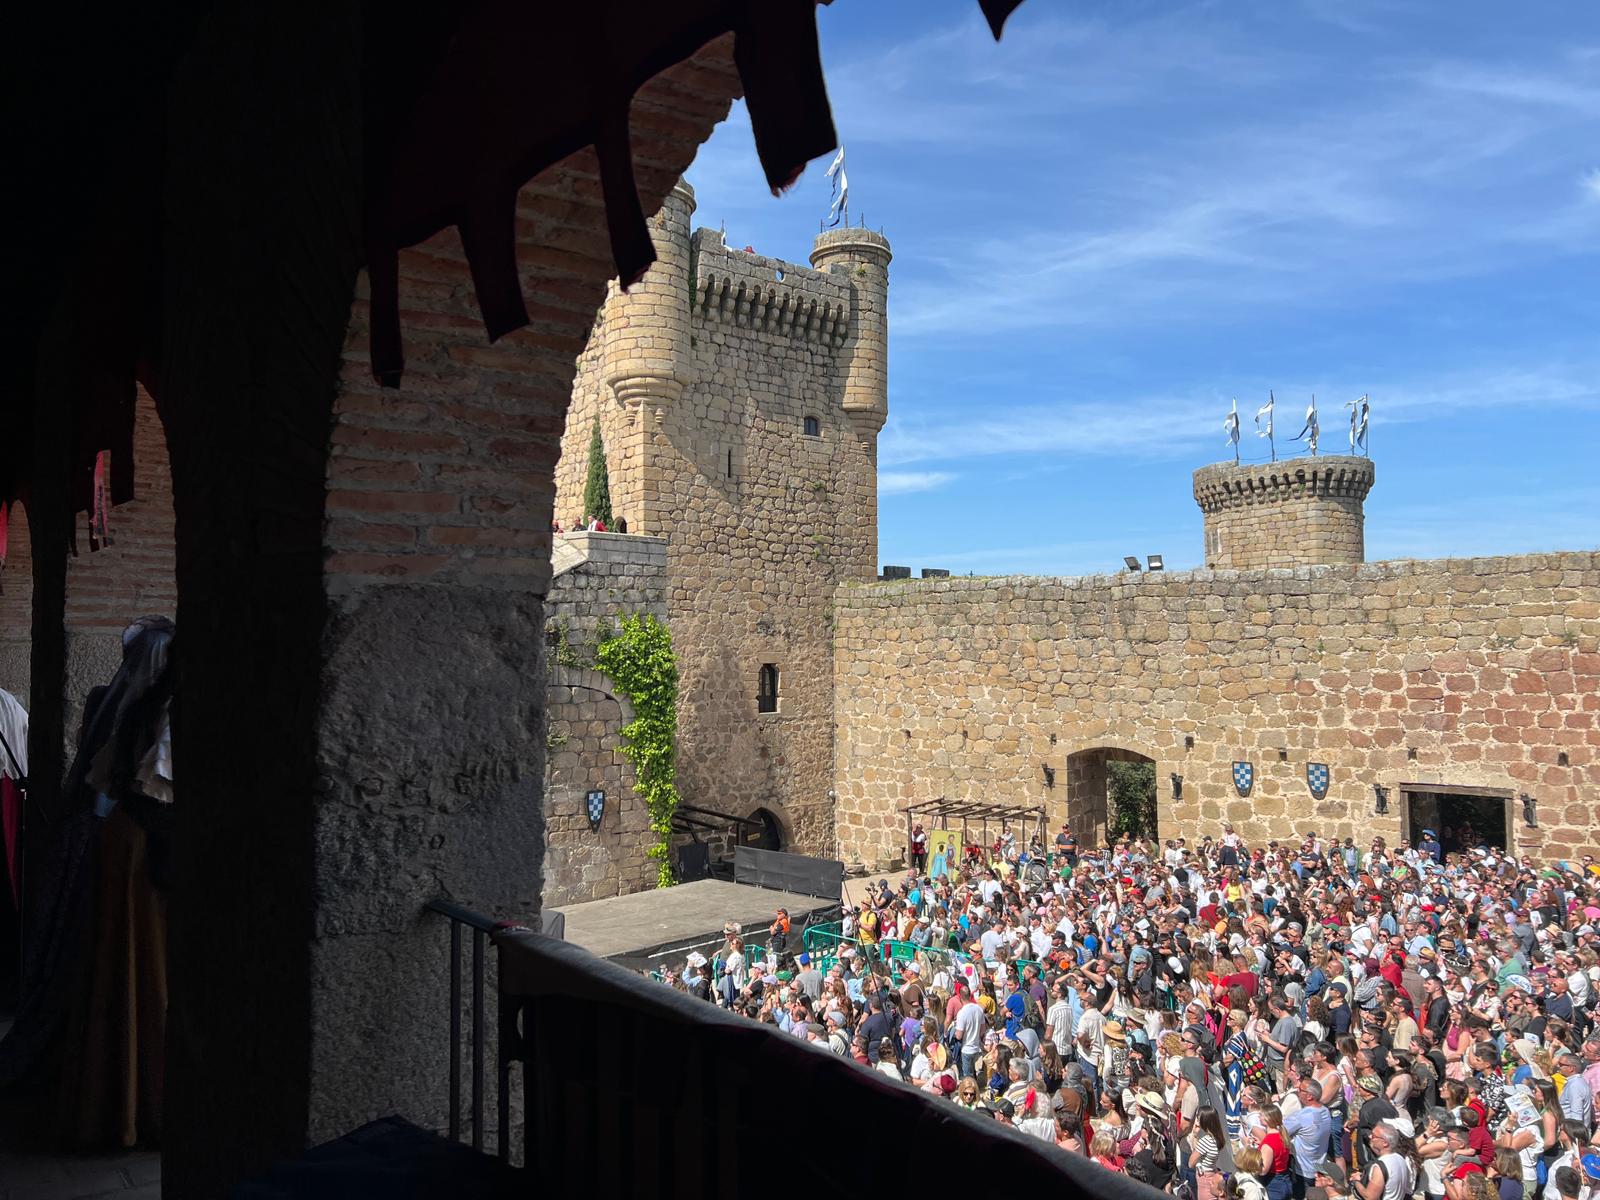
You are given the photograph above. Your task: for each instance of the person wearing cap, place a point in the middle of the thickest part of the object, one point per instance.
(1372, 1108)
(1330, 1182)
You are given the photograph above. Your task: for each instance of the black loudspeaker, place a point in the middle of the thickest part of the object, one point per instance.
(694, 862)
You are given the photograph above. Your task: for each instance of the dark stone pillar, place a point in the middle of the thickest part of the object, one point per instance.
(261, 241)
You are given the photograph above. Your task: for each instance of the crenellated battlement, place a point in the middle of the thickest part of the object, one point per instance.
(1226, 485)
(767, 294)
(1288, 514)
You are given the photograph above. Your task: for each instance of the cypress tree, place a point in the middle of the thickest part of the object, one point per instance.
(597, 487)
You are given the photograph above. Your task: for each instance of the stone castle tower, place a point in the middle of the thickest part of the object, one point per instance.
(1302, 512)
(740, 398)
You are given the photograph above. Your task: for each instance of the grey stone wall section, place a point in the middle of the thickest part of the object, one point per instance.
(428, 786)
(600, 579)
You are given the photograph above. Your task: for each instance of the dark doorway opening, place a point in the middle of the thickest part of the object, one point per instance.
(1464, 818)
(766, 834)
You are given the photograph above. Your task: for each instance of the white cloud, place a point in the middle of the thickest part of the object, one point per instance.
(1169, 427)
(898, 483)
(1591, 183)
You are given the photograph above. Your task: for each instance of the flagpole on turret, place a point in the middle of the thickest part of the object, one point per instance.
(1266, 410)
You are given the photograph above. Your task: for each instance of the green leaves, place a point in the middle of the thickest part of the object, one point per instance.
(640, 661)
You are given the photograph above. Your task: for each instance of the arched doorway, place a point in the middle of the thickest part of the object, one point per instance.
(1110, 791)
(766, 833)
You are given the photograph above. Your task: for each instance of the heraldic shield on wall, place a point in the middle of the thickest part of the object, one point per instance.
(1317, 776)
(1244, 777)
(597, 809)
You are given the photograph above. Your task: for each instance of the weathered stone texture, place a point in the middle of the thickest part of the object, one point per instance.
(1302, 512)
(703, 377)
(1464, 672)
(600, 578)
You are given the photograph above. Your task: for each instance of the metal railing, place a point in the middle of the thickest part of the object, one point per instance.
(702, 1120)
(464, 918)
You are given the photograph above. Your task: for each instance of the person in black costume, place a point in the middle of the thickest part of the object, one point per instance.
(110, 833)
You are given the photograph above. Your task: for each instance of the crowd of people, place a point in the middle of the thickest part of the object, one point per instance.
(1301, 1018)
(590, 525)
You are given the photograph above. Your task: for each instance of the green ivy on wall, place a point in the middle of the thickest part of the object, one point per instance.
(639, 660)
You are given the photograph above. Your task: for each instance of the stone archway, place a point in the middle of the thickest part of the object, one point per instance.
(1091, 784)
(772, 830)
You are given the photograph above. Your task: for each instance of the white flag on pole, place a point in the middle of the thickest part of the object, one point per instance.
(1309, 433)
(840, 208)
(1360, 415)
(1265, 411)
(1231, 424)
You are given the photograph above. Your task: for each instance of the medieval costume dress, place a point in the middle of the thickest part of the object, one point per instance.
(93, 1011)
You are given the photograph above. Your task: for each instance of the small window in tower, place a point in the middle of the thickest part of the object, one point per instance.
(813, 427)
(730, 463)
(767, 689)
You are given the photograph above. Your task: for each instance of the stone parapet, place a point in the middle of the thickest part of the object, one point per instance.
(1287, 514)
(621, 549)
(768, 294)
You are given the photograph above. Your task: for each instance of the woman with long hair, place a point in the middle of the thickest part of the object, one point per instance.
(1206, 1152)
(1050, 1066)
(1275, 1154)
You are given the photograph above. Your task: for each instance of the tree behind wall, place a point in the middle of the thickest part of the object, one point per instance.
(597, 488)
(1131, 788)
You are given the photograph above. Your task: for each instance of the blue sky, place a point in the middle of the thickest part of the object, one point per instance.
(1125, 214)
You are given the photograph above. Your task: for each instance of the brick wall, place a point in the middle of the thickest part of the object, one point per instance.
(106, 589)
(1466, 672)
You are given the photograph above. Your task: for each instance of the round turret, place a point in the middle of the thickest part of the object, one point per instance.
(862, 256)
(646, 328)
(1303, 512)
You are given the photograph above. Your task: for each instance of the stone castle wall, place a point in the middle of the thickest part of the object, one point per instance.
(600, 578)
(1302, 512)
(1477, 673)
(704, 377)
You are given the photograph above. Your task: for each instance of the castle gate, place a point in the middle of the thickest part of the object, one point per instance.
(1090, 788)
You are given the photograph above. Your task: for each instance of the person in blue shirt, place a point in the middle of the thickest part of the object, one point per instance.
(1429, 845)
(1016, 1007)
(1308, 1131)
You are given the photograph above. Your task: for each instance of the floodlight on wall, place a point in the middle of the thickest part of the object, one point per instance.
(1188, 741)
(1156, 562)
(1132, 561)
(1049, 776)
(1177, 786)
(1530, 811)
(1380, 799)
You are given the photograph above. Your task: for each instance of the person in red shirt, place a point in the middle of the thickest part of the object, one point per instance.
(1478, 1138)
